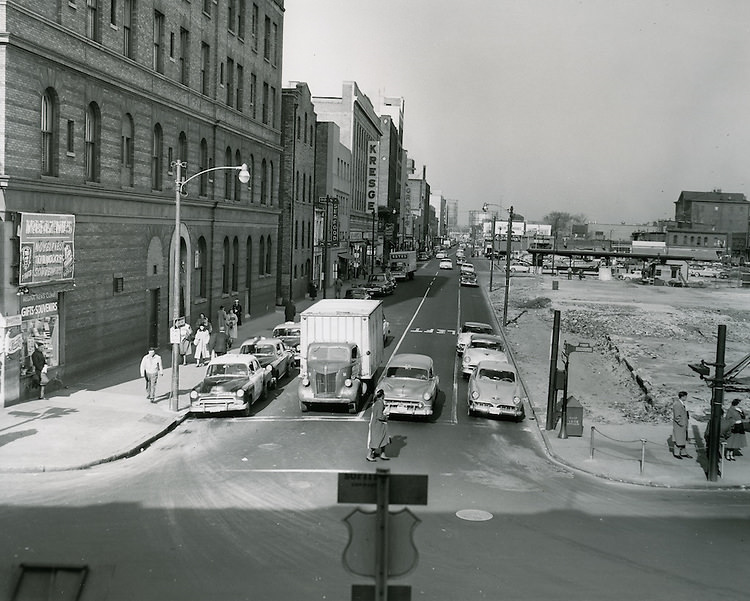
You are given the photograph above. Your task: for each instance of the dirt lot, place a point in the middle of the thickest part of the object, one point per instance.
(641, 332)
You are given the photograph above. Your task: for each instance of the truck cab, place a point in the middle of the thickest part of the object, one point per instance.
(333, 375)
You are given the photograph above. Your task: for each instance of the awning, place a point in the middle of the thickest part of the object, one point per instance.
(345, 256)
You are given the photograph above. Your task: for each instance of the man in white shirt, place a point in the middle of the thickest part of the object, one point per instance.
(151, 369)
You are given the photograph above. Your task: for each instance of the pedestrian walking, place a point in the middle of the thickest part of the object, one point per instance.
(337, 285)
(203, 321)
(151, 369)
(231, 328)
(39, 361)
(237, 310)
(680, 419)
(219, 343)
(200, 341)
(736, 440)
(186, 342)
(377, 433)
(290, 310)
(221, 317)
(312, 290)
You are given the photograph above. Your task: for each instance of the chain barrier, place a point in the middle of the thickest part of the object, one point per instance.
(643, 442)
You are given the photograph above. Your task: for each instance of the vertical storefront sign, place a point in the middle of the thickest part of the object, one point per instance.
(47, 252)
(373, 151)
(334, 223)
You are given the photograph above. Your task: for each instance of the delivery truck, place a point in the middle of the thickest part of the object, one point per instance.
(341, 349)
(403, 264)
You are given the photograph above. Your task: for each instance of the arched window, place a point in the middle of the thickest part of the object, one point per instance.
(269, 248)
(126, 151)
(157, 153)
(270, 184)
(304, 187)
(261, 256)
(235, 264)
(295, 272)
(237, 182)
(228, 173)
(296, 235)
(305, 128)
(50, 132)
(92, 142)
(225, 267)
(263, 182)
(203, 166)
(299, 126)
(251, 181)
(296, 187)
(309, 188)
(248, 267)
(201, 270)
(302, 235)
(182, 153)
(307, 266)
(309, 236)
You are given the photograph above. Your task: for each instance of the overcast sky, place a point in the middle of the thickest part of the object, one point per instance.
(608, 108)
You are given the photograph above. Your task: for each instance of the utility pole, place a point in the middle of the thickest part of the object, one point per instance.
(507, 267)
(717, 399)
(552, 390)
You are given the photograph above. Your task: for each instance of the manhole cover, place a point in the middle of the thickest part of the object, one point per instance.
(474, 515)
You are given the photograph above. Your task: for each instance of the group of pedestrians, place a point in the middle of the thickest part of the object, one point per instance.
(732, 430)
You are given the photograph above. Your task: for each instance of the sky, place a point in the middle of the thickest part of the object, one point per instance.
(603, 108)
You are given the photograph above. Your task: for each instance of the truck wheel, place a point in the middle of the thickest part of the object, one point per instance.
(353, 407)
(304, 407)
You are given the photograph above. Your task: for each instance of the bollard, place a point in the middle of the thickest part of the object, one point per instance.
(591, 444)
(643, 453)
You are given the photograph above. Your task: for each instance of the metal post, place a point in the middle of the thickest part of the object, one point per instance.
(381, 535)
(174, 401)
(717, 399)
(591, 443)
(552, 390)
(372, 258)
(564, 416)
(325, 247)
(291, 208)
(492, 252)
(507, 267)
(643, 453)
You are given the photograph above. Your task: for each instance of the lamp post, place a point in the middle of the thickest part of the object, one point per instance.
(179, 190)
(485, 208)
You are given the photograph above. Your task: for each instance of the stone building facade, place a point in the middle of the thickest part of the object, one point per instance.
(101, 101)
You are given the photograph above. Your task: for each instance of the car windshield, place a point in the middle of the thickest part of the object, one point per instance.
(260, 350)
(488, 344)
(476, 329)
(377, 278)
(497, 375)
(228, 369)
(286, 332)
(328, 353)
(414, 373)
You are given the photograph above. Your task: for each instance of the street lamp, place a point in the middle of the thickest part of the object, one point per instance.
(485, 208)
(244, 177)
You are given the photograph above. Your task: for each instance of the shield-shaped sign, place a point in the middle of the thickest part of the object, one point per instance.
(359, 554)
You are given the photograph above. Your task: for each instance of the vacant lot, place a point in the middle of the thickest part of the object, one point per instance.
(655, 330)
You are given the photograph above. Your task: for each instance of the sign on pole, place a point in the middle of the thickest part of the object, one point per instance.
(403, 489)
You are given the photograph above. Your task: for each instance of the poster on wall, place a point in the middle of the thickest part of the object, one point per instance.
(47, 252)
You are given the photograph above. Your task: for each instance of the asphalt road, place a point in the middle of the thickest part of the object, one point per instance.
(246, 508)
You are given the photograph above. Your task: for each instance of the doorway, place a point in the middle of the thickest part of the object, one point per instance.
(154, 301)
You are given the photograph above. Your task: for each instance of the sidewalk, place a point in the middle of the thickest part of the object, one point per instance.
(109, 418)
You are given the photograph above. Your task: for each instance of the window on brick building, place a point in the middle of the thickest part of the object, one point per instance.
(231, 11)
(240, 87)
(49, 132)
(235, 264)
(201, 271)
(113, 12)
(184, 56)
(205, 68)
(126, 151)
(228, 173)
(269, 257)
(230, 82)
(128, 18)
(93, 16)
(157, 158)
(264, 107)
(254, 28)
(203, 166)
(237, 182)
(92, 142)
(158, 59)
(241, 19)
(270, 183)
(207, 7)
(267, 39)
(261, 256)
(248, 268)
(71, 137)
(225, 267)
(263, 182)
(251, 181)
(253, 95)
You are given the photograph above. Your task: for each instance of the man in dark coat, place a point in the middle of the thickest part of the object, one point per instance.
(680, 418)
(290, 310)
(237, 310)
(219, 342)
(38, 360)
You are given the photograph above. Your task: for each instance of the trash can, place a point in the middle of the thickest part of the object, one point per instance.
(555, 284)
(574, 423)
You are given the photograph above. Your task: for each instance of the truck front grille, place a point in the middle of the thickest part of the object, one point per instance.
(325, 383)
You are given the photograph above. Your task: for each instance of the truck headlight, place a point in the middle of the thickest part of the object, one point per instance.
(348, 383)
(305, 381)
(239, 393)
(193, 394)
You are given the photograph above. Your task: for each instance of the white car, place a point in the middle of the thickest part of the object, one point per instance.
(410, 385)
(519, 268)
(469, 328)
(482, 347)
(468, 268)
(633, 275)
(494, 389)
(446, 264)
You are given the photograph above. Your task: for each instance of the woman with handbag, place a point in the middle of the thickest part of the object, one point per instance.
(736, 440)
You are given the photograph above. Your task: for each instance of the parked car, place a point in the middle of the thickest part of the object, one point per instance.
(469, 328)
(270, 352)
(446, 264)
(410, 385)
(380, 284)
(480, 348)
(359, 292)
(232, 383)
(289, 333)
(468, 268)
(423, 256)
(494, 389)
(519, 268)
(468, 279)
(636, 274)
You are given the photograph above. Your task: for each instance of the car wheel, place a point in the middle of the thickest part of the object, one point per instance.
(304, 407)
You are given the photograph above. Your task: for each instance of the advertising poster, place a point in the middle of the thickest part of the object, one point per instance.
(47, 252)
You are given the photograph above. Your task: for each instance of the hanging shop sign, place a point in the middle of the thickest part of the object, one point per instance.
(47, 252)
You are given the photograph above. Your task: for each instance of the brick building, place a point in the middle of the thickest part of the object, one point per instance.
(101, 100)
